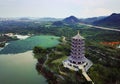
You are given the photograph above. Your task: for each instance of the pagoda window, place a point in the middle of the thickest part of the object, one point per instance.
(79, 62)
(86, 63)
(74, 62)
(73, 46)
(70, 61)
(75, 66)
(69, 64)
(73, 42)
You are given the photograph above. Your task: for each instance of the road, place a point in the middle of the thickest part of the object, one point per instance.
(105, 28)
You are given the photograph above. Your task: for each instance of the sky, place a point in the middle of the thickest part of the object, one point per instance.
(58, 8)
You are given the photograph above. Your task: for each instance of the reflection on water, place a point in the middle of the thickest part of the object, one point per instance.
(19, 69)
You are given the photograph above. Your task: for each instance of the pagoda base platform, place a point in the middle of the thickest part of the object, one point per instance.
(76, 67)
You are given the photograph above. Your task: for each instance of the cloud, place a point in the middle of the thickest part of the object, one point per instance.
(58, 8)
(96, 12)
(101, 11)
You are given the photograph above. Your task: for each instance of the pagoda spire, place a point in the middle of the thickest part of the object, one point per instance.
(78, 32)
(78, 36)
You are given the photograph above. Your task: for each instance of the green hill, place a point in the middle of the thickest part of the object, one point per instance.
(110, 21)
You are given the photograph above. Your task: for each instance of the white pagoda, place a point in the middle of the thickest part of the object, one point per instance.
(77, 59)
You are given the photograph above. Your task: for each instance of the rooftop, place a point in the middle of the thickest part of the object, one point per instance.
(78, 36)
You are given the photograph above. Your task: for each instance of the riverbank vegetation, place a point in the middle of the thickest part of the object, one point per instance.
(4, 39)
(104, 70)
(2, 44)
(51, 60)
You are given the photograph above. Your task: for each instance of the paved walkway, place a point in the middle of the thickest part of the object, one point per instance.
(80, 67)
(85, 74)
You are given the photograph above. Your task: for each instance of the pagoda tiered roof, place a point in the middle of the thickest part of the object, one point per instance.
(78, 36)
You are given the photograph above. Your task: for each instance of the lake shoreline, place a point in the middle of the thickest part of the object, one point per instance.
(22, 68)
(22, 37)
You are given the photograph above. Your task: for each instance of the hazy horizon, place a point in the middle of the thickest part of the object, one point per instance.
(58, 8)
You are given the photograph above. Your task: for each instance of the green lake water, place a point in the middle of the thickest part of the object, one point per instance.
(20, 46)
(20, 68)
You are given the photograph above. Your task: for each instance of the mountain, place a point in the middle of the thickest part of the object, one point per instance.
(111, 21)
(71, 20)
(49, 19)
(58, 23)
(24, 18)
(92, 19)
